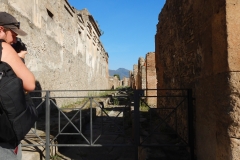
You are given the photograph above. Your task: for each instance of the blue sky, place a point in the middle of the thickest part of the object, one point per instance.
(129, 27)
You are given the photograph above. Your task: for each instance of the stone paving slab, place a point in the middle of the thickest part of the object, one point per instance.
(107, 137)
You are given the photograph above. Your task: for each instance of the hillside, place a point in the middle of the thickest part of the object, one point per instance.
(122, 72)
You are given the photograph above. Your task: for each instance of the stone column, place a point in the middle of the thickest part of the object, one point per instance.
(151, 81)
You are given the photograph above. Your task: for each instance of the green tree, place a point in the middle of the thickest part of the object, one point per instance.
(117, 75)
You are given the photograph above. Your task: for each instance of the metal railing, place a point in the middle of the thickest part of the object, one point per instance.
(174, 113)
(90, 102)
(53, 98)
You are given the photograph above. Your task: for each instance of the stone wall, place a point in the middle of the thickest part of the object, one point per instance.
(114, 82)
(64, 49)
(134, 77)
(151, 78)
(144, 77)
(126, 82)
(197, 46)
(131, 79)
(141, 84)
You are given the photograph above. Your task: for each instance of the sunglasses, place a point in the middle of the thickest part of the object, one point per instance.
(17, 24)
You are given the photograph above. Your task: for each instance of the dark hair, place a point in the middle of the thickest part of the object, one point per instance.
(6, 29)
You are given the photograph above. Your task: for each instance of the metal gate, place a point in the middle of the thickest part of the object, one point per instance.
(169, 124)
(118, 116)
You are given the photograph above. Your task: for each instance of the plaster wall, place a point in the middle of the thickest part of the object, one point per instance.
(64, 47)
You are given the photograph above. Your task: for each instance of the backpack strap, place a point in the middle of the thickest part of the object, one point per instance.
(1, 40)
(1, 48)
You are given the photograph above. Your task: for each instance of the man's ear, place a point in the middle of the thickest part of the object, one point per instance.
(1, 28)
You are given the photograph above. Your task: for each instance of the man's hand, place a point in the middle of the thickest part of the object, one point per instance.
(22, 54)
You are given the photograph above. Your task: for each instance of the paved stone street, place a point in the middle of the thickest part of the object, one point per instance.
(107, 129)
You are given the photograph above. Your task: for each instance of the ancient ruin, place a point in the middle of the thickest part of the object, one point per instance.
(144, 77)
(134, 77)
(151, 79)
(197, 47)
(64, 47)
(125, 82)
(114, 82)
(141, 76)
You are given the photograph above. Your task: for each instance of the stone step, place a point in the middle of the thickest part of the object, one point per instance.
(35, 152)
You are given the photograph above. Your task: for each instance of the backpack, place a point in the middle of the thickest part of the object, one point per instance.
(16, 117)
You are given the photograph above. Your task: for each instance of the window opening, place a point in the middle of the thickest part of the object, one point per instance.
(68, 10)
(50, 14)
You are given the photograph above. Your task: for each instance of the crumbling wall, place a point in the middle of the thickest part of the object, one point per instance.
(141, 84)
(126, 82)
(114, 82)
(197, 47)
(134, 77)
(151, 80)
(64, 48)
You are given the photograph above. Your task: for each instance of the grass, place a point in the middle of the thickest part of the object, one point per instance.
(143, 107)
(115, 101)
(55, 157)
(75, 104)
(84, 100)
(100, 93)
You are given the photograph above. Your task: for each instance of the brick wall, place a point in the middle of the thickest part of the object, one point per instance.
(141, 77)
(135, 77)
(151, 80)
(197, 47)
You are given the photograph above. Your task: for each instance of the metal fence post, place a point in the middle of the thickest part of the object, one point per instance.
(91, 125)
(190, 124)
(136, 121)
(47, 125)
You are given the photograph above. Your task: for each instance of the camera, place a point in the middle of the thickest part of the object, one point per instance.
(19, 46)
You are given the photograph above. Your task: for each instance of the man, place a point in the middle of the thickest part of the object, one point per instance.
(9, 29)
